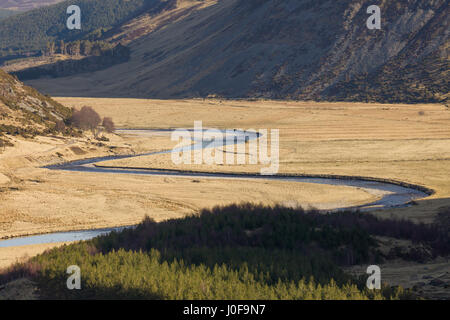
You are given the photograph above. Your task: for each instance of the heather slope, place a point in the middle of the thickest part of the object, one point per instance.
(26, 112)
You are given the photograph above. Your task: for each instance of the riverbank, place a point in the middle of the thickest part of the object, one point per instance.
(393, 142)
(90, 200)
(11, 255)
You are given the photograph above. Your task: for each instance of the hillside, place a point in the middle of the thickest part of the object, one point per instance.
(23, 5)
(48, 24)
(26, 112)
(306, 49)
(277, 49)
(6, 13)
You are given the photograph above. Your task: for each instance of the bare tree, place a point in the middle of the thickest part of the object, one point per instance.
(108, 124)
(86, 119)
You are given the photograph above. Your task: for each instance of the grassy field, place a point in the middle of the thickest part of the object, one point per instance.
(409, 143)
(23, 253)
(74, 201)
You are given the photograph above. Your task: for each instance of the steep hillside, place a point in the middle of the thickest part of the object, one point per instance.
(423, 62)
(26, 112)
(294, 49)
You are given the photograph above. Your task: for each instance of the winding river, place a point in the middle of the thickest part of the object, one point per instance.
(391, 194)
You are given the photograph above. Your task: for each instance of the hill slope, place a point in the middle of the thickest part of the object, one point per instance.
(48, 24)
(6, 13)
(10, 8)
(280, 49)
(25, 4)
(26, 112)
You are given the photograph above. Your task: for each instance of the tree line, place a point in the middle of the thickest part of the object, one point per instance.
(76, 48)
(244, 251)
(30, 32)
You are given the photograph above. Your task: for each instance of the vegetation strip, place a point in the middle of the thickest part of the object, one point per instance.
(417, 187)
(241, 251)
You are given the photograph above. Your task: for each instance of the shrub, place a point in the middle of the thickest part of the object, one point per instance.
(85, 119)
(108, 124)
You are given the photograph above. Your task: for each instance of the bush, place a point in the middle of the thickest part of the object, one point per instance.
(108, 124)
(85, 119)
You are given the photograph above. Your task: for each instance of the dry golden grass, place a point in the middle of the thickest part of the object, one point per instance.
(386, 141)
(22, 253)
(36, 200)
(62, 201)
(403, 142)
(25, 63)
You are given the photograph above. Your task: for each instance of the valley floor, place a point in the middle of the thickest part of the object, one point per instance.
(409, 143)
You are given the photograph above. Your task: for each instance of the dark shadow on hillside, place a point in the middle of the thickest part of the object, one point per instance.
(108, 58)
